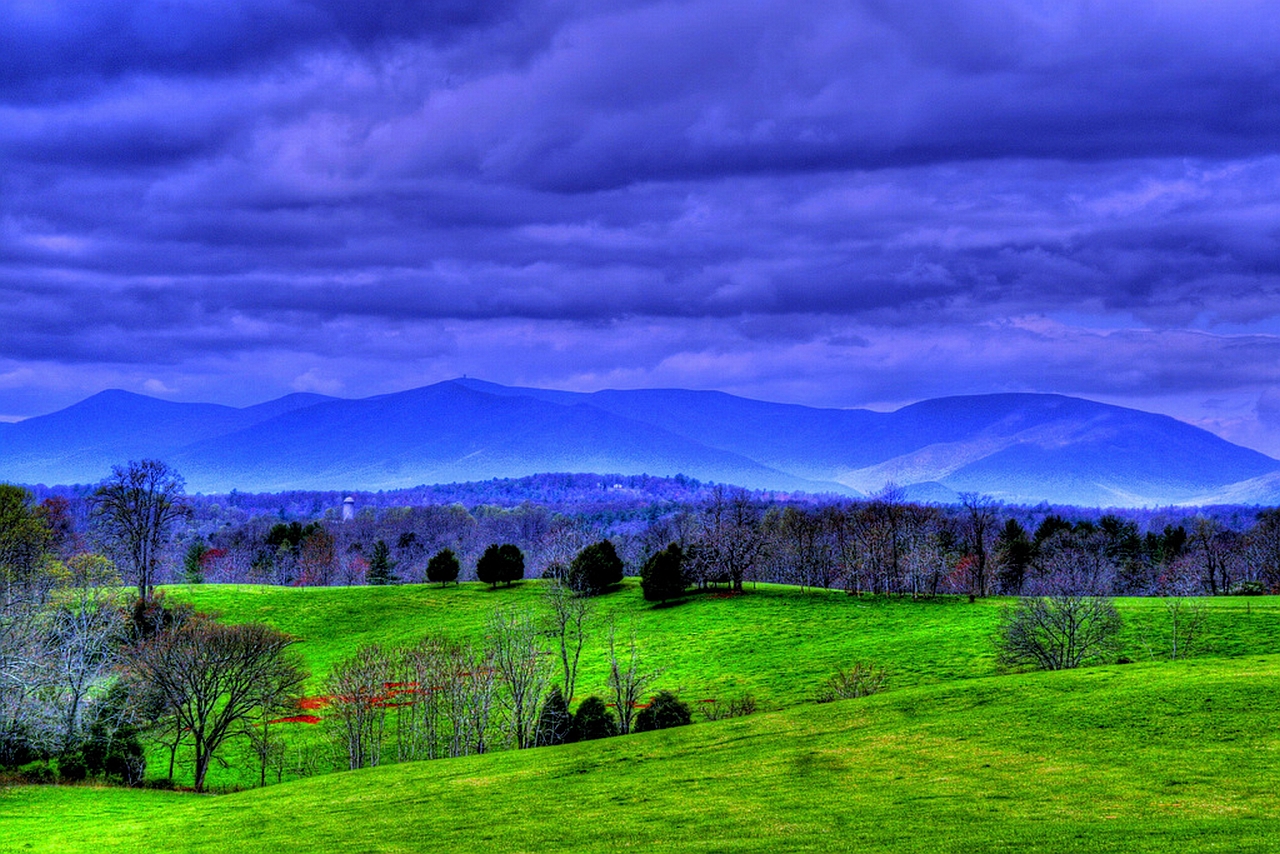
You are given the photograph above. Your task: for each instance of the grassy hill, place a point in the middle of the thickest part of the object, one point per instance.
(775, 641)
(1143, 757)
(1154, 755)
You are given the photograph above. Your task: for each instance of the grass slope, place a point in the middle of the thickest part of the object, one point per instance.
(778, 643)
(775, 641)
(1144, 757)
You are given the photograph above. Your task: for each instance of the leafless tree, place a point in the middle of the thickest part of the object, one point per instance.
(1186, 625)
(357, 689)
(979, 528)
(566, 625)
(136, 508)
(627, 680)
(86, 631)
(1058, 632)
(211, 679)
(521, 667)
(1210, 548)
(729, 542)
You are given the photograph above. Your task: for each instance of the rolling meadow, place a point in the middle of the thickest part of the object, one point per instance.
(1151, 754)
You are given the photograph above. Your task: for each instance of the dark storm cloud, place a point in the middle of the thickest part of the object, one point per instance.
(59, 48)
(825, 202)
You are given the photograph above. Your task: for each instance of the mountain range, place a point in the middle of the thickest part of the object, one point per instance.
(1015, 447)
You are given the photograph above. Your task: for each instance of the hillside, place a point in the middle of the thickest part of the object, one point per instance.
(1140, 758)
(1015, 447)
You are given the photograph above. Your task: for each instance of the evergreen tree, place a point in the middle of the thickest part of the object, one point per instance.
(663, 577)
(593, 720)
(443, 567)
(500, 564)
(664, 711)
(192, 571)
(555, 721)
(595, 568)
(380, 565)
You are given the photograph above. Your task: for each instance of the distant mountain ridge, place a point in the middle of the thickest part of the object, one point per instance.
(1015, 447)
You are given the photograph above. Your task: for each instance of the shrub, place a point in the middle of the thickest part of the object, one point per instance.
(664, 711)
(72, 767)
(860, 680)
(663, 577)
(595, 569)
(443, 567)
(739, 707)
(593, 720)
(37, 774)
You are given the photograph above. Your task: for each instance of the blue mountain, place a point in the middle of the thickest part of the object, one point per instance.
(1015, 447)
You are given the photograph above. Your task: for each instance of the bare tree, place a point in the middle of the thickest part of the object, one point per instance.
(627, 680)
(86, 630)
(730, 541)
(1058, 632)
(521, 668)
(212, 677)
(137, 507)
(1186, 625)
(980, 522)
(566, 625)
(357, 687)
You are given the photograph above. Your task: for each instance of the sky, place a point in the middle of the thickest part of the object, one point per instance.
(830, 203)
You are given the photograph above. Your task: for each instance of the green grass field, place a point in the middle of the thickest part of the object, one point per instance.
(1134, 758)
(1150, 756)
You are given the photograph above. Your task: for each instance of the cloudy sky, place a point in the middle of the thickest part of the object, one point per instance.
(832, 203)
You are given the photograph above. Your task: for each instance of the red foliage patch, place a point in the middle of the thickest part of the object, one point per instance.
(297, 719)
(311, 703)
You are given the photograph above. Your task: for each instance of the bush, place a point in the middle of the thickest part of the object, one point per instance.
(37, 774)
(860, 680)
(443, 567)
(663, 577)
(664, 711)
(740, 707)
(1058, 632)
(593, 720)
(500, 564)
(596, 568)
(71, 767)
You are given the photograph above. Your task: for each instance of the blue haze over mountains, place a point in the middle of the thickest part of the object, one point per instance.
(1015, 447)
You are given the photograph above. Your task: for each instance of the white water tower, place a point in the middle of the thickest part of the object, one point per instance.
(348, 508)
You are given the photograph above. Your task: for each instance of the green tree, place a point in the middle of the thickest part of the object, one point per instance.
(1014, 552)
(500, 565)
(24, 541)
(663, 577)
(592, 721)
(192, 571)
(443, 567)
(664, 711)
(596, 568)
(380, 565)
